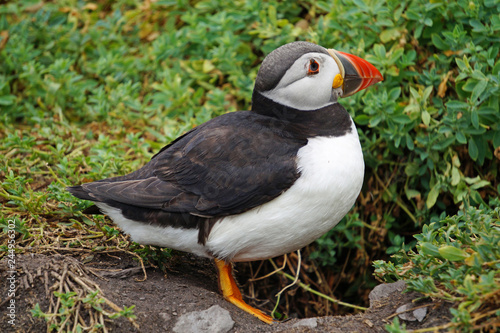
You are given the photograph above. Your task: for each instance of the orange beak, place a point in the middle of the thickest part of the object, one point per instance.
(357, 74)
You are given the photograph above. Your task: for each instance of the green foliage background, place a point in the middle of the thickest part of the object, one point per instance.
(93, 89)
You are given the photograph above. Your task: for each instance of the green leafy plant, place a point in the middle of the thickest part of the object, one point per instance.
(18, 225)
(458, 261)
(152, 255)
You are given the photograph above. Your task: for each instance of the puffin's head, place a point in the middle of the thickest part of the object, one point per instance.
(306, 76)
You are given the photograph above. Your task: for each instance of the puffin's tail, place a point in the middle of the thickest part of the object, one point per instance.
(80, 193)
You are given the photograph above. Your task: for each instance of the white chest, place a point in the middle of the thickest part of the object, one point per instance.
(332, 170)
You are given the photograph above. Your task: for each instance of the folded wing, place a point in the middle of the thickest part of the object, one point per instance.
(226, 166)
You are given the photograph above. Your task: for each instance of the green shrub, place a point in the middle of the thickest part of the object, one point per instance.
(457, 260)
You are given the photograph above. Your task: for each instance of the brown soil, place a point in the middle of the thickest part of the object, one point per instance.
(190, 285)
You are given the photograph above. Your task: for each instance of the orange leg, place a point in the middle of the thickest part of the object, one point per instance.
(232, 293)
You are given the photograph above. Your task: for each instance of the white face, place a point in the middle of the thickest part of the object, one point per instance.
(307, 85)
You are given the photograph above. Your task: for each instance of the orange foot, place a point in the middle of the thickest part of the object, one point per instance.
(232, 293)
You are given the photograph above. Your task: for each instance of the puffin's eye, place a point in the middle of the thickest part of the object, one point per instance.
(313, 67)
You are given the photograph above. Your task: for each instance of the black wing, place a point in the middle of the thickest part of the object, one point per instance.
(226, 166)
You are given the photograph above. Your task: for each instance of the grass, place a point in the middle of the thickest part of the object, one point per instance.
(93, 89)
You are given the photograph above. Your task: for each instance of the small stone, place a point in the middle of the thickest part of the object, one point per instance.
(420, 313)
(214, 319)
(368, 323)
(165, 316)
(384, 290)
(309, 322)
(405, 312)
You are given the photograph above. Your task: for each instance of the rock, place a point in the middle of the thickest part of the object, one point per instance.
(420, 313)
(309, 322)
(165, 316)
(405, 312)
(214, 319)
(384, 290)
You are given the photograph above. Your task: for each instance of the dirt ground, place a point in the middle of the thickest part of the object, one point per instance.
(189, 285)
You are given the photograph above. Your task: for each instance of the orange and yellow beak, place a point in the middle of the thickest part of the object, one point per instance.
(355, 73)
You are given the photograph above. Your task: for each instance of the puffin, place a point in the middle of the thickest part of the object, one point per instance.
(255, 184)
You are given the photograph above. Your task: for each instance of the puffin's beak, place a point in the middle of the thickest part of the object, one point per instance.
(355, 73)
